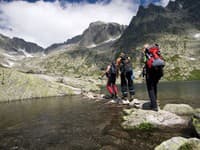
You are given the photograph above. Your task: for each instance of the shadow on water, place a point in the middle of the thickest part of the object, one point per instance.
(74, 123)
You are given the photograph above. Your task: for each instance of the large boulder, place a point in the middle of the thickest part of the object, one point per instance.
(179, 143)
(179, 109)
(138, 118)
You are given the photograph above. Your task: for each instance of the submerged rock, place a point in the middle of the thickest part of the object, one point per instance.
(179, 143)
(137, 118)
(179, 109)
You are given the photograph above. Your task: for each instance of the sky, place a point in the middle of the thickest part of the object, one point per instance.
(46, 22)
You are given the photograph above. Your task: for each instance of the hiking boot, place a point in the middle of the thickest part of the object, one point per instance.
(115, 96)
(155, 109)
(112, 96)
(131, 98)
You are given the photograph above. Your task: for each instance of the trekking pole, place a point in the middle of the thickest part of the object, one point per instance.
(2, 82)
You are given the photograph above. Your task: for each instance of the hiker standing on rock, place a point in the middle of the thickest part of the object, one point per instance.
(153, 70)
(126, 75)
(111, 74)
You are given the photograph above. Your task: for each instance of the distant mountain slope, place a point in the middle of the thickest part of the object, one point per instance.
(14, 50)
(16, 44)
(96, 34)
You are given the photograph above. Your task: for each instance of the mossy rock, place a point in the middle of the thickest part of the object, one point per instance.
(196, 125)
(179, 143)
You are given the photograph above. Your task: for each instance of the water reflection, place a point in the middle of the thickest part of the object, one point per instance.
(174, 92)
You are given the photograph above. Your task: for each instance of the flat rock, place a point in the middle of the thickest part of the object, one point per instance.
(159, 119)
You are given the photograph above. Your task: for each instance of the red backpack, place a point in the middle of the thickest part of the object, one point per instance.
(154, 58)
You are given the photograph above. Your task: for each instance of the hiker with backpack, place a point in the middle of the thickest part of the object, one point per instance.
(126, 75)
(153, 68)
(111, 73)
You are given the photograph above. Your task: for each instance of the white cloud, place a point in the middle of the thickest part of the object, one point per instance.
(160, 3)
(46, 23)
(165, 2)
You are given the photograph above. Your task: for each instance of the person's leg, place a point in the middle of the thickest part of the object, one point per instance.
(123, 85)
(109, 87)
(129, 76)
(151, 90)
(114, 86)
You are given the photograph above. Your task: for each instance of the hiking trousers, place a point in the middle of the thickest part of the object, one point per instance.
(127, 83)
(111, 86)
(151, 82)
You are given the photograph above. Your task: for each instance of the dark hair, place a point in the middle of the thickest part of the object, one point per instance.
(156, 45)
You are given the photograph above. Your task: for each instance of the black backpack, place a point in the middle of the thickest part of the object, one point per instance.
(125, 64)
(113, 69)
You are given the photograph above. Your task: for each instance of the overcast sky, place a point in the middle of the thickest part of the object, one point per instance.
(52, 21)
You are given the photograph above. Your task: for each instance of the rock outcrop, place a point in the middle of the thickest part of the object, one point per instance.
(15, 85)
(179, 143)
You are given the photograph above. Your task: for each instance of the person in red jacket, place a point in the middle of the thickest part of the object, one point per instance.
(153, 71)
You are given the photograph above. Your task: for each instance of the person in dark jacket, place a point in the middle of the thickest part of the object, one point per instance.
(126, 75)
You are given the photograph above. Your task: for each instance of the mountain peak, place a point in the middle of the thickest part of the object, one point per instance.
(96, 23)
(96, 34)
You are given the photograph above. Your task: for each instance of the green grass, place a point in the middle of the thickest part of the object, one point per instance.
(145, 126)
(194, 75)
(186, 146)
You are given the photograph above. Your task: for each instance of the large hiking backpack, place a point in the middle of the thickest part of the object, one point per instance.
(125, 65)
(154, 58)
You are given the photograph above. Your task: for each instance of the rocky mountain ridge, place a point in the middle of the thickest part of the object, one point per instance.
(96, 34)
(15, 44)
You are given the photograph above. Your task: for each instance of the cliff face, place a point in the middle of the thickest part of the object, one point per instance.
(178, 17)
(175, 28)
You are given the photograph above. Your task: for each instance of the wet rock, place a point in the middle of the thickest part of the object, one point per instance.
(179, 143)
(179, 109)
(138, 118)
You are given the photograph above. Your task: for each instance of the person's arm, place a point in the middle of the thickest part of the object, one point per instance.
(107, 70)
